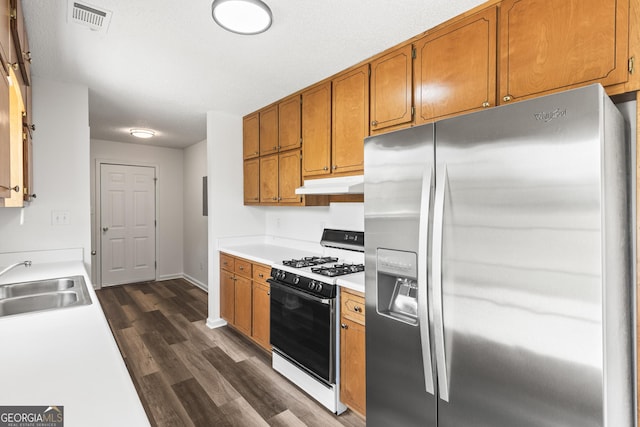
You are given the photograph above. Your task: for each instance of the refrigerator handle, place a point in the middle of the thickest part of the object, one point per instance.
(423, 315)
(438, 317)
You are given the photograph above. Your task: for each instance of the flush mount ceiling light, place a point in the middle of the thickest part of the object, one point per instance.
(142, 133)
(242, 16)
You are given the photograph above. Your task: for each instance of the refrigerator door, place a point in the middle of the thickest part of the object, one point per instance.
(518, 312)
(398, 188)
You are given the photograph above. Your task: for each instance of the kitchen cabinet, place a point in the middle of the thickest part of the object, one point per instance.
(289, 123)
(350, 120)
(279, 178)
(269, 130)
(260, 331)
(455, 68)
(20, 41)
(5, 141)
(551, 45)
(251, 136)
(244, 297)
(391, 104)
(352, 351)
(316, 130)
(251, 172)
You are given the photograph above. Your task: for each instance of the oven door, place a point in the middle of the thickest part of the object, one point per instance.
(303, 329)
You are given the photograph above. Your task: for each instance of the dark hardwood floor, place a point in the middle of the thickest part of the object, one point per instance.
(189, 375)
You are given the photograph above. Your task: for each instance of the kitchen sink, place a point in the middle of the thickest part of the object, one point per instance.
(40, 295)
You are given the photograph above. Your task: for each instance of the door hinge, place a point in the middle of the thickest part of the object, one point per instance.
(413, 53)
(631, 61)
(155, 222)
(369, 70)
(413, 111)
(155, 265)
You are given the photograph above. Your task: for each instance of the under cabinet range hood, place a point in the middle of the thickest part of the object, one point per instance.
(338, 185)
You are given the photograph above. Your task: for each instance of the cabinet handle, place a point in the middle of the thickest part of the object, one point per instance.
(241, 268)
(486, 104)
(357, 309)
(27, 56)
(268, 292)
(261, 275)
(13, 65)
(279, 198)
(374, 123)
(256, 153)
(507, 98)
(275, 148)
(335, 167)
(344, 326)
(105, 229)
(326, 168)
(274, 198)
(15, 188)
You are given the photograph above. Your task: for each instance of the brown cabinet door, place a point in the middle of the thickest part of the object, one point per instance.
(269, 130)
(391, 90)
(551, 45)
(251, 181)
(251, 136)
(289, 124)
(227, 296)
(350, 124)
(5, 139)
(352, 365)
(289, 177)
(455, 68)
(261, 310)
(6, 43)
(316, 130)
(269, 179)
(242, 319)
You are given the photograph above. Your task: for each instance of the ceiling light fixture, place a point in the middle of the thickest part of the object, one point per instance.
(142, 133)
(242, 16)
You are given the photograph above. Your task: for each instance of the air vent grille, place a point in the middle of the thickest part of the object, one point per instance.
(89, 16)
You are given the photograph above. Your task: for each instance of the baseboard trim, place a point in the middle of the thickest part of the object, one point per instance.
(215, 323)
(170, 277)
(195, 282)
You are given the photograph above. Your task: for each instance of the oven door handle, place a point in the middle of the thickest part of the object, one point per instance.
(301, 294)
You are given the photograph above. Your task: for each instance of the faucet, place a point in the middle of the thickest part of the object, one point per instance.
(12, 266)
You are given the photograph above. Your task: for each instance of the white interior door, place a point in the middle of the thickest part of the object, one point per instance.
(127, 229)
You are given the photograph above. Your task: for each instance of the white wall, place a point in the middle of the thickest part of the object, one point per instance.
(61, 174)
(169, 193)
(195, 260)
(227, 214)
(307, 223)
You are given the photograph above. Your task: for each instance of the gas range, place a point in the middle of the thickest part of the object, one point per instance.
(318, 274)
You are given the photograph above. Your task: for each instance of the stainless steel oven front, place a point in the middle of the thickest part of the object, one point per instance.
(303, 329)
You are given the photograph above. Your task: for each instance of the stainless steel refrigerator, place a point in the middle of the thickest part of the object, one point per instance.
(499, 275)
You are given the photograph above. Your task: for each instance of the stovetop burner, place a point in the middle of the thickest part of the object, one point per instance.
(309, 261)
(338, 269)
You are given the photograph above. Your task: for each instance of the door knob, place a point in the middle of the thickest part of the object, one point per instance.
(105, 229)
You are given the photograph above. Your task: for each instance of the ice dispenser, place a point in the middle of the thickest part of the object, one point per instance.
(397, 285)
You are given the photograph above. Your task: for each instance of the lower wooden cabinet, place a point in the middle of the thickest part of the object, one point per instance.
(352, 351)
(245, 297)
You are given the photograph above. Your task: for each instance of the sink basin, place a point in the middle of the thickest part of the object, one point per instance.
(41, 295)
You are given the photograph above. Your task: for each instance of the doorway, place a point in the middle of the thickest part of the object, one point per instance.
(127, 227)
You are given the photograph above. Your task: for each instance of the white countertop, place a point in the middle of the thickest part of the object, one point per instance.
(66, 357)
(270, 253)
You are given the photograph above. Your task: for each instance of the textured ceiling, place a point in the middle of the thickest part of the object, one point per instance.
(163, 64)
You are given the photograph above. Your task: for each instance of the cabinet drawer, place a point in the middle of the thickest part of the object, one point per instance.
(261, 273)
(352, 306)
(227, 262)
(243, 267)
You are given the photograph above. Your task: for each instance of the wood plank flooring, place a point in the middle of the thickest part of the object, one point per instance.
(189, 375)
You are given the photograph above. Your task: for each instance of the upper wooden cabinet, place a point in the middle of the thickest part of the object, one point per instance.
(350, 120)
(289, 177)
(269, 130)
(5, 141)
(251, 136)
(455, 68)
(251, 181)
(269, 179)
(316, 130)
(289, 126)
(550, 45)
(20, 41)
(391, 90)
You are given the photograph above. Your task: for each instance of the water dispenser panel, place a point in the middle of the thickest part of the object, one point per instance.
(397, 286)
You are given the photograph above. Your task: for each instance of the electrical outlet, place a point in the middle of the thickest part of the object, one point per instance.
(59, 217)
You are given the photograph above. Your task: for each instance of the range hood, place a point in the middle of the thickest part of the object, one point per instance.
(338, 185)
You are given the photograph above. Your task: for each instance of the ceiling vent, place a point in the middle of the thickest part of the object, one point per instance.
(89, 16)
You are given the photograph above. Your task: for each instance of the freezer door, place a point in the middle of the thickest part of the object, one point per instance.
(398, 188)
(519, 316)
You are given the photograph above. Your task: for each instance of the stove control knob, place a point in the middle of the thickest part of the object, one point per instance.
(312, 285)
(296, 280)
(282, 275)
(319, 287)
